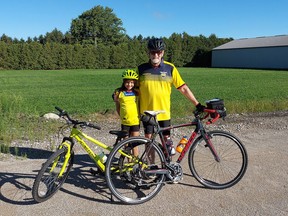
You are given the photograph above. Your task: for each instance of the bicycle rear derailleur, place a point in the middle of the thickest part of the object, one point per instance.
(175, 173)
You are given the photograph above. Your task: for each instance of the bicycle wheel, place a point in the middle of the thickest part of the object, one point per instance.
(48, 182)
(135, 179)
(218, 174)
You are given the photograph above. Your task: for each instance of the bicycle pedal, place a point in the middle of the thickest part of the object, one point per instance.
(131, 185)
(96, 172)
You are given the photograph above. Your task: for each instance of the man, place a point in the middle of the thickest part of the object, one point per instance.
(155, 83)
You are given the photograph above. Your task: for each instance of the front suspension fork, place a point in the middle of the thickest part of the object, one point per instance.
(68, 146)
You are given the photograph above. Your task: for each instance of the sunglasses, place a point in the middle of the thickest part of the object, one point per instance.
(156, 52)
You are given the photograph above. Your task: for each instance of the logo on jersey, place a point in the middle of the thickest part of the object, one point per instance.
(163, 73)
(129, 93)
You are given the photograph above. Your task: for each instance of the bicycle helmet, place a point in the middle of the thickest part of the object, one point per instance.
(130, 74)
(156, 44)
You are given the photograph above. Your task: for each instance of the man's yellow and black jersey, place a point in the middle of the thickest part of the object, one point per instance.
(155, 85)
(128, 107)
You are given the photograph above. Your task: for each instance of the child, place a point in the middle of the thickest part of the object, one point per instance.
(126, 100)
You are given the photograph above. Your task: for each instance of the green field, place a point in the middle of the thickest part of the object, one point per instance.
(29, 94)
(242, 90)
(88, 91)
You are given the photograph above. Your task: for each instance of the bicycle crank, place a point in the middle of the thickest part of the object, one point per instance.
(175, 172)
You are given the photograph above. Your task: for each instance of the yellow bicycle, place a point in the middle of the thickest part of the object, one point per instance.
(55, 170)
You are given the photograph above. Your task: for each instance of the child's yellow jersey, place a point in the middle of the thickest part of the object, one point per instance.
(128, 108)
(155, 85)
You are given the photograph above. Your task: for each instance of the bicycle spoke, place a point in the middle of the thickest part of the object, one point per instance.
(129, 180)
(48, 182)
(225, 173)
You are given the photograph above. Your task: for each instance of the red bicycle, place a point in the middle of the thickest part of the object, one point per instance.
(217, 159)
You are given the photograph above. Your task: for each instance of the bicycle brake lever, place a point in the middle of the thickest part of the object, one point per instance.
(196, 113)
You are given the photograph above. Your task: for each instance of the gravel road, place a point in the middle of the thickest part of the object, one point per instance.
(262, 191)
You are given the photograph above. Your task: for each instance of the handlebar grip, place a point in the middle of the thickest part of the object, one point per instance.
(63, 113)
(93, 126)
(198, 112)
(59, 109)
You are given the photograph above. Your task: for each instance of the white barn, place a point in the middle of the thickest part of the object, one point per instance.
(261, 52)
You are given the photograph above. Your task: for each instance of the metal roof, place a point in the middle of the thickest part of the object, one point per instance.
(274, 41)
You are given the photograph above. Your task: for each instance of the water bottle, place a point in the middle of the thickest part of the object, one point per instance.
(170, 147)
(102, 157)
(181, 144)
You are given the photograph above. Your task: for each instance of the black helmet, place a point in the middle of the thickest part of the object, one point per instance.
(156, 44)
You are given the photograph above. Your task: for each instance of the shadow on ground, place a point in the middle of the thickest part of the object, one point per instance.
(16, 188)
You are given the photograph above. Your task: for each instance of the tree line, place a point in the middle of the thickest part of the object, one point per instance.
(97, 40)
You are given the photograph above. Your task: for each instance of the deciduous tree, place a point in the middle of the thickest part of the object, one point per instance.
(98, 25)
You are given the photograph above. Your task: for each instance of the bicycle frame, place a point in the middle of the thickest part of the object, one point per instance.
(199, 129)
(80, 137)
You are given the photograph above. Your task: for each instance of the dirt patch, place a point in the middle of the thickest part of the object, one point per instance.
(262, 191)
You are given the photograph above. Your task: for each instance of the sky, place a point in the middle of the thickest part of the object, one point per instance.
(158, 18)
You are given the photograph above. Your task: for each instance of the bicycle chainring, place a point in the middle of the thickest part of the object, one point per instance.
(176, 172)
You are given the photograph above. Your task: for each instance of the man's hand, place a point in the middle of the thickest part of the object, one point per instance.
(200, 108)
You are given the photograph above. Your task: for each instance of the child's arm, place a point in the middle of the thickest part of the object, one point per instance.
(116, 100)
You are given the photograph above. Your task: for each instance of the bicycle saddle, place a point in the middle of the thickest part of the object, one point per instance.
(120, 134)
(153, 113)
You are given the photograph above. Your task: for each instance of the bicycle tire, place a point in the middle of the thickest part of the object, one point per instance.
(225, 173)
(127, 179)
(47, 182)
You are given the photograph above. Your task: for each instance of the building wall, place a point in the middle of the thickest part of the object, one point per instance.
(262, 57)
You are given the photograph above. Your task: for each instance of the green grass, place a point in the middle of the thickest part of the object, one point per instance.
(81, 91)
(242, 90)
(26, 95)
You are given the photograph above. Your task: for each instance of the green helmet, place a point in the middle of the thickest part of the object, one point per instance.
(130, 74)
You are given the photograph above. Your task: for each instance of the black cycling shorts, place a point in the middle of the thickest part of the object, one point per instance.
(148, 128)
(130, 129)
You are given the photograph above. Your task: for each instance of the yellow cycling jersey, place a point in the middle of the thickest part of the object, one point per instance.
(128, 101)
(155, 85)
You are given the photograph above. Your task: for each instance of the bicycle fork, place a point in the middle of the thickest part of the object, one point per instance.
(207, 139)
(66, 145)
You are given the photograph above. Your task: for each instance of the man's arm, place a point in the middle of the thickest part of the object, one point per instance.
(185, 90)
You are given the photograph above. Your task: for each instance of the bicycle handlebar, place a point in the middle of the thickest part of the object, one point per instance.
(209, 112)
(214, 119)
(88, 124)
(63, 113)
(150, 116)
